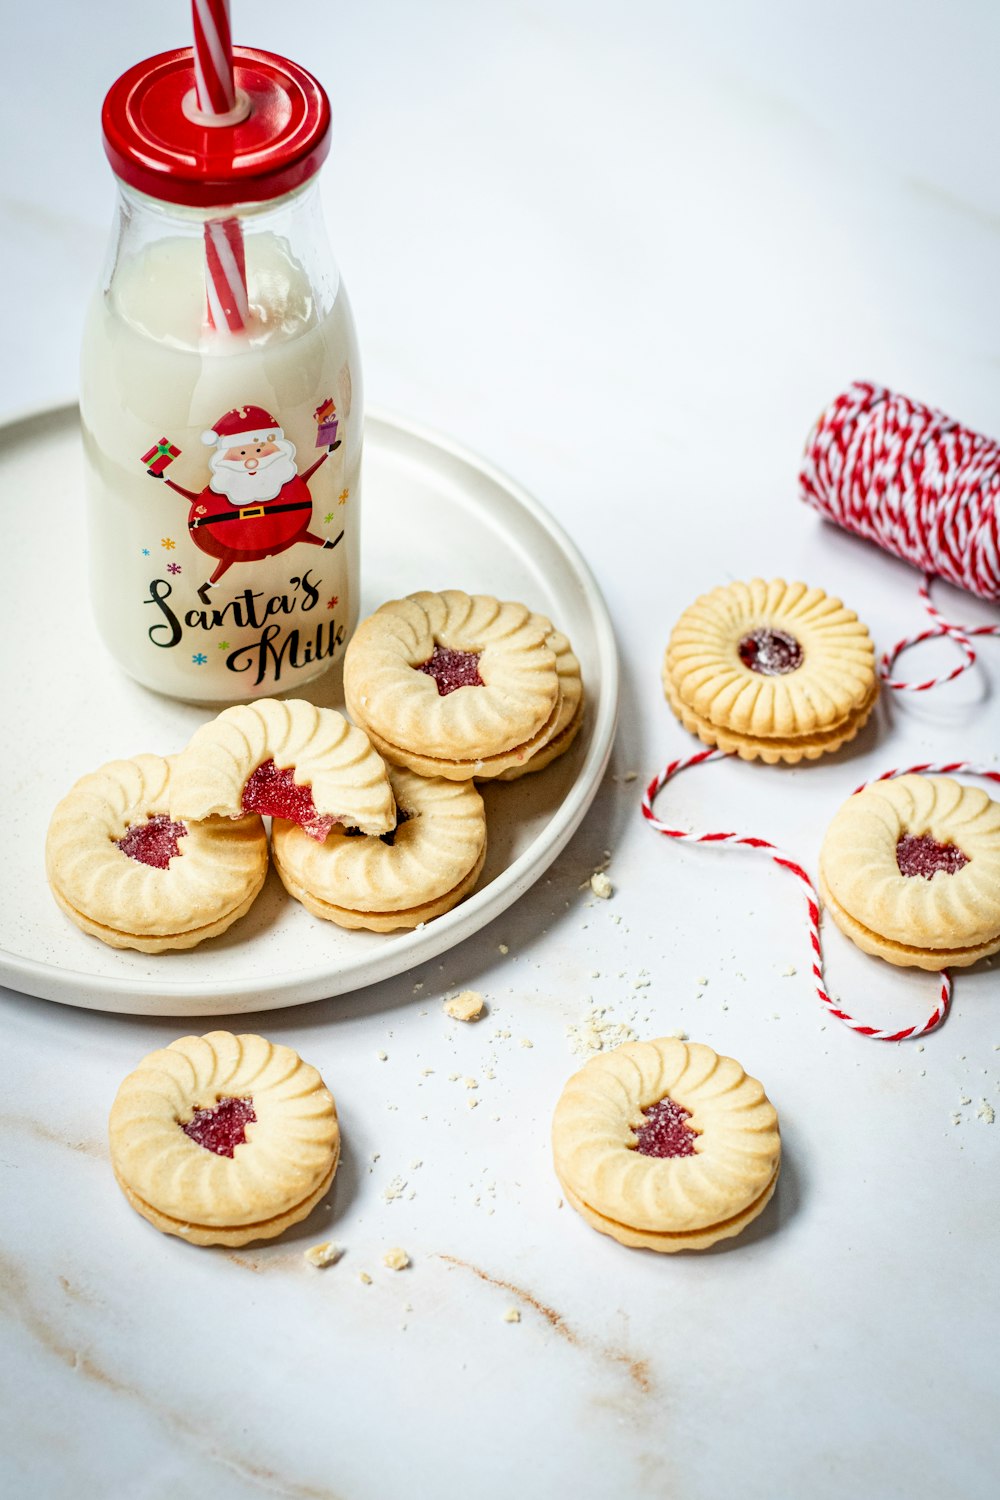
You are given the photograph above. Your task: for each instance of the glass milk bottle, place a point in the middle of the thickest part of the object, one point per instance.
(221, 391)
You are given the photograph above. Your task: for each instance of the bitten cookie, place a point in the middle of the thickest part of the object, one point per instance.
(772, 671)
(127, 872)
(910, 871)
(424, 867)
(285, 759)
(453, 684)
(665, 1145)
(224, 1139)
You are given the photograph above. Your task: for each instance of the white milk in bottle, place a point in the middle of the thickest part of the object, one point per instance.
(221, 395)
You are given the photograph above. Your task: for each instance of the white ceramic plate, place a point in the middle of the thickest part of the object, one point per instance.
(434, 517)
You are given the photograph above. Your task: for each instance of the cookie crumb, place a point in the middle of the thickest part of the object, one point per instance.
(524, 1042)
(597, 1031)
(512, 1315)
(472, 1102)
(701, 982)
(678, 1034)
(396, 1259)
(471, 1083)
(601, 885)
(788, 971)
(986, 1112)
(382, 1056)
(364, 1276)
(326, 1254)
(503, 948)
(467, 1006)
(394, 1190)
(630, 776)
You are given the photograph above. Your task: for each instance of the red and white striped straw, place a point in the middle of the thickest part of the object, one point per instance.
(227, 305)
(213, 57)
(226, 275)
(784, 862)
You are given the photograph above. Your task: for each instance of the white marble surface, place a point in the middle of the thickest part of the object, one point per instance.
(626, 253)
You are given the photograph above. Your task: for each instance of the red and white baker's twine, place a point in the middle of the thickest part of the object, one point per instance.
(227, 307)
(794, 868)
(911, 479)
(941, 628)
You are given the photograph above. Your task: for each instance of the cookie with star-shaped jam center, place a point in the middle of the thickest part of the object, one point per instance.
(664, 1145)
(452, 684)
(223, 1139)
(910, 871)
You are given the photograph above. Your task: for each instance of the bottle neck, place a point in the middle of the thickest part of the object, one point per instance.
(254, 271)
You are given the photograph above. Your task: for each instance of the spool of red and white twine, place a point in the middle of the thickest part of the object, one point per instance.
(922, 487)
(227, 306)
(785, 862)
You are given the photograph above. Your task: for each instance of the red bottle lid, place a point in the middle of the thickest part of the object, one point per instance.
(156, 142)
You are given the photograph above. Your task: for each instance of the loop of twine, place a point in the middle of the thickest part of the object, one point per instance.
(941, 629)
(785, 862)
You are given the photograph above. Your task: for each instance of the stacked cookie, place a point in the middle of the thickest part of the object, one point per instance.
(224, 1140)
(665, 1145)
(773, 671)
(463, 686)
(910, 871)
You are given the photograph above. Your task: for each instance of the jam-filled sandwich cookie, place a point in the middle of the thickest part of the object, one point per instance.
(126, 871)
(424, 867)
(285, 759)
(568, 719)
(453, 684)
(910, 871)
(224, 1139)
(665, 1145)
(773, 671)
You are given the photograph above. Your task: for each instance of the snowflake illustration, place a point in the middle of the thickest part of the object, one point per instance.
(329, 517)
(199, 658)
(332, 603)
(174, 568)
(168, 543)
(223, 645)
(145, 551)
(342, 497)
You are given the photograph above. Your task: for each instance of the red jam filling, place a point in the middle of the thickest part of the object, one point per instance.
(919, 854)
(155, 842)
(402, 816)
(452, 669)
(223, 1128)
(276, 794)
(666, 1131)
(772, 653)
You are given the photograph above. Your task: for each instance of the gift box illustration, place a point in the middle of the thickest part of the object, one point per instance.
(326, 423)
(161, 454)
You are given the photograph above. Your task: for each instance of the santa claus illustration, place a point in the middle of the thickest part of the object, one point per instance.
(256, 504)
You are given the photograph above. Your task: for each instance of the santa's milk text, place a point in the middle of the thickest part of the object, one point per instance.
(251, 609)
